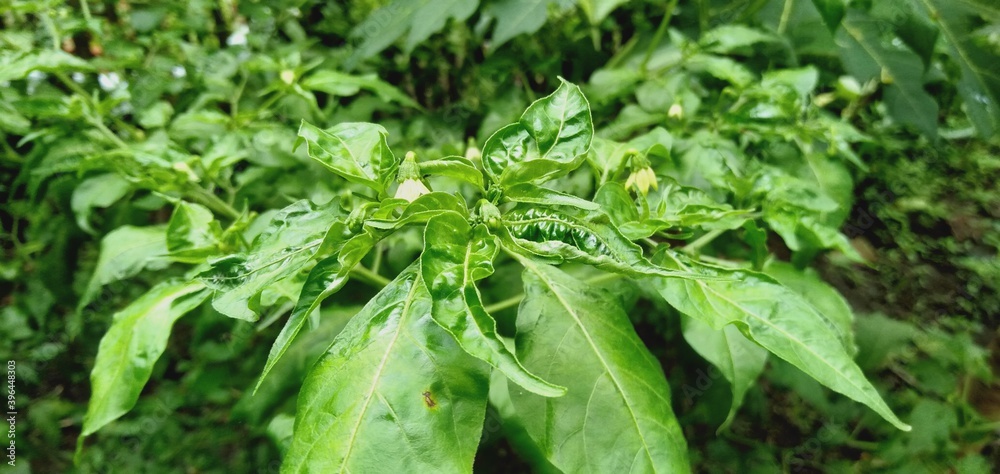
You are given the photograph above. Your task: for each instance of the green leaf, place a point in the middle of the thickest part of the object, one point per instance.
(597, 10)
(823, 297)
(419, 211)
(125, 252)
(549, 141)
(532, 194)
(740, 360)
(455, 256)
(96, 192)
(346, 85)
(776, 318)
(727, 38)
(325, 279)
(457, 167)
(131, 347)
(590, 238)
(355, 151)
(192, 233)
(616, 415)
(287, 244)
(516, 17)
(980, 70)
(867, 57)
(721, 67)
(419, 18)
(832, 11)
(392, 394)
(14, 66)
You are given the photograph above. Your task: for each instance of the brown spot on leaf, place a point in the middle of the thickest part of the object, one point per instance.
(429, 400)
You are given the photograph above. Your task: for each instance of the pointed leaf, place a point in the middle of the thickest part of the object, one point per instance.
(533, 194)
(550, 140)
(616, 395)
(392, 394)
(740, 360)
(455, 256)
(355, 151)
(590, 238)
(291, 239)
(131, 347)
(125, 252)
(325, 279)
(776, 318)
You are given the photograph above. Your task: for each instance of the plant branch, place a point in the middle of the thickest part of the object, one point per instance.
(365, 275)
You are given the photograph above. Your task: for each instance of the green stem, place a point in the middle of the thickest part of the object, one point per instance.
(786, 14)
(702, 241)
(86, 11)
(370, 277)
(53, 32)
(658, 36)
(213, 202)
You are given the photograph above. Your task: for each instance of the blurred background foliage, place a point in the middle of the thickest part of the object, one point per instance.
(111, 110)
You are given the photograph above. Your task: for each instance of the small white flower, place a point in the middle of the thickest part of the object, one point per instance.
(287, 76)
(411, 189)
(178, 72)
(78, 77)
(239, 36)
(109, 81)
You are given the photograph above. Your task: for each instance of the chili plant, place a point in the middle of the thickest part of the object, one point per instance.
(404, 386)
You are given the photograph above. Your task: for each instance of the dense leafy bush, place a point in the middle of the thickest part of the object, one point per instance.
(424, 236)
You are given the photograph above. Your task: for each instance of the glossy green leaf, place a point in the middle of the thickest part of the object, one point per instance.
(394, 393)
(125, 252)
(740, 360)
(193, 233)
(532, 194)
(455, 256)
(96, 192)
(136, 339)
(457, 167)
(776, 318)
(419, 211)
(355, 151)
(616, 415)
(548, 141)
(567, 235)
(287, 244)
(823, 297)
(325, 279)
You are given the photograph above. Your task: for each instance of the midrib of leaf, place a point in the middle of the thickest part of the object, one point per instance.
(707, 289)
(880, 60)
(590, 341)
(955, 43)
(371, 389)
(354, 159)
(562, 123)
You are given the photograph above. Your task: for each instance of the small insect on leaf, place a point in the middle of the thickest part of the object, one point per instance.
(429, 400)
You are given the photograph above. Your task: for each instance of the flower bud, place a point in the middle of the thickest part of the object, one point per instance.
(676, 111)
(287, 76)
